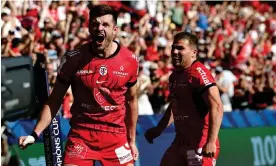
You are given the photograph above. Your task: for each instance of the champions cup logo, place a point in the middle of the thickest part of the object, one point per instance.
(103, 70)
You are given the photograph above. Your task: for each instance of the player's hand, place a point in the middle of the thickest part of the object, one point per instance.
(134, 151)
(209, 150)
(152, 133)
(25, 141)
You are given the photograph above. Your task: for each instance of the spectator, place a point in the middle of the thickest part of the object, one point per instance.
(243, 91)
(144, 88)
(225, 80)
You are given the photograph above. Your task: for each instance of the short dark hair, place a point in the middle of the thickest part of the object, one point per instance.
(101, 10)
(192, 39)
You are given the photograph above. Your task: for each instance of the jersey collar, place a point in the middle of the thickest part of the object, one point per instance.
(111, 56)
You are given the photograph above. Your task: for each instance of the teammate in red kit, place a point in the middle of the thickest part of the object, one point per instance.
(104, 113)
(195, 107)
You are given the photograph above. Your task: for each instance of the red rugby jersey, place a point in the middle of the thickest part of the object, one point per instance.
(190, 112)
(99, 86)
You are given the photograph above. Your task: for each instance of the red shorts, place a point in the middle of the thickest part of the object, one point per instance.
(186, 156)
(85, 146)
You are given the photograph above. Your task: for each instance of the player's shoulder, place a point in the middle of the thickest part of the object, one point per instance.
(129, 55)
(71, 57)
(72, 53)
(198, 68)
(78, 53)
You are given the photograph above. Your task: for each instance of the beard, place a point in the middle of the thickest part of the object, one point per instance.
(99, 45)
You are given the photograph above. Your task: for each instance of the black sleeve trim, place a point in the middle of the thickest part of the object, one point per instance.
(206, 88)
(63, 81)
(130, 84)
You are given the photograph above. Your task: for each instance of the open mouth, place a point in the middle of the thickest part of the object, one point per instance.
(176, 59)
(99, 39)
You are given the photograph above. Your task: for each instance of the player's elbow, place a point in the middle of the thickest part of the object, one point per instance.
(131, 99)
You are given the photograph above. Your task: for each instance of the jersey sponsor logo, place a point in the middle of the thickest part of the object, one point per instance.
(120, 73)
(86, 106)
(106, 108)
(135, 57)
(103, 70)
(182, 83)
(180, 117)
(85, 72)
(203, 76)
(193, 157)
(124, 154)
(109, 107)
(172, 84)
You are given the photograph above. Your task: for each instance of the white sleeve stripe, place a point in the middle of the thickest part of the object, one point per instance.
(72, 53)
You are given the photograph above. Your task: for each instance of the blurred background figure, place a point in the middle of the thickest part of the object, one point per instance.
(225, 82)
(7, 159)
(144, 88)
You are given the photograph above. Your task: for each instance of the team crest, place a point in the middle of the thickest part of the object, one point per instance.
(103, 70)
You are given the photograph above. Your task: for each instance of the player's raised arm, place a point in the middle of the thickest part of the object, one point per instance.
(48, 112)
(166, 121)
(212, 99)
(51, 107)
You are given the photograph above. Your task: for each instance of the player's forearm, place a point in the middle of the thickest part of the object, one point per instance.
(215, 118)
(132, 117)
(46, 116)
(166, 120)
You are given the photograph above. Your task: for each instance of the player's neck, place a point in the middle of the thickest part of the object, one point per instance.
(110, 50)
(187, 65)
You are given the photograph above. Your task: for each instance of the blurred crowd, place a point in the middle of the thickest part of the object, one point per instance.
(237, 42)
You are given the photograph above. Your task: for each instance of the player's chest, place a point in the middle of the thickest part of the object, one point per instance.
(181, 86)
(111, 74)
